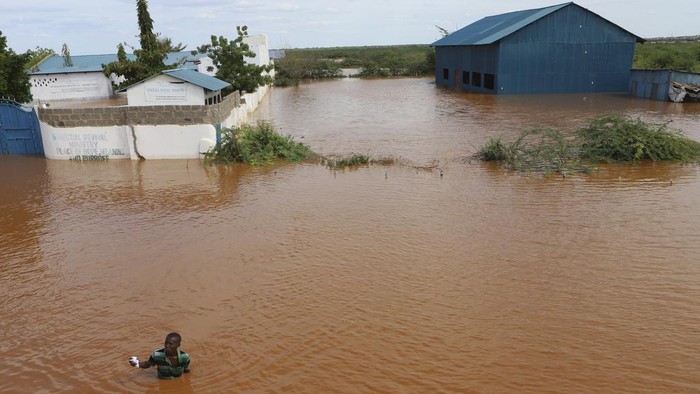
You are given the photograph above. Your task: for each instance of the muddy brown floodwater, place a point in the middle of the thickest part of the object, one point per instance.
(295, 278)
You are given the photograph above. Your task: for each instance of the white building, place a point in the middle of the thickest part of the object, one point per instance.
(176, 87)
(54, 80)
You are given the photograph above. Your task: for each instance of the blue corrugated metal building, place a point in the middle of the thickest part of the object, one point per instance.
(563, 48)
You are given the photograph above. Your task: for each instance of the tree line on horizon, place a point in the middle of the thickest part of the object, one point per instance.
(674, 55)
(370, 61)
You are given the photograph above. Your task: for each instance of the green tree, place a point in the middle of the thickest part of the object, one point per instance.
(65, 53)
(151, 53)
(166, 44)
(35, 56)
(121, 53)
(229, 59)
(150, 58)
(14, 80)
(683, 56)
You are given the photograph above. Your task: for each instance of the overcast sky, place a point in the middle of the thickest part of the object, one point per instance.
(97, 26)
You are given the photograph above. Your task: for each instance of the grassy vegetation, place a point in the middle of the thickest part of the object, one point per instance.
(298, 65)
(611, 138)
(352, 160)
(617, 138)
(682, 56)
(355, 160)
(261, 145)
(379, 61)
(539, 150)
(256, 145)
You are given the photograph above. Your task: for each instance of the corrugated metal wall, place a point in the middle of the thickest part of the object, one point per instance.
(654, 84)
(460, 60)
(569, 51)
(20, 133)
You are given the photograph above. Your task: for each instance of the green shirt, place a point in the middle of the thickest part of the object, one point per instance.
(165, 369)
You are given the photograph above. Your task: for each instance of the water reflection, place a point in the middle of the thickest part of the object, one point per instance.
(23, 218)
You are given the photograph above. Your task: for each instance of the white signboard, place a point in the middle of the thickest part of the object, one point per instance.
(160, 92)
(87, 88)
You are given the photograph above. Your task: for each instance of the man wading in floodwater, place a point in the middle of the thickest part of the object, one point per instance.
(170, 360)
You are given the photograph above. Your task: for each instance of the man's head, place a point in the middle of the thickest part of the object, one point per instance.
(172, 342)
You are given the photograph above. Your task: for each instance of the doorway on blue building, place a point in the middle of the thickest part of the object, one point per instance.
(458, 78)
(19, 130)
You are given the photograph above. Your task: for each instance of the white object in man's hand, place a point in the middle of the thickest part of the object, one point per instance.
(134, 361)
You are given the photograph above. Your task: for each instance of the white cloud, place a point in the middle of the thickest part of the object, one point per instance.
(98, 26)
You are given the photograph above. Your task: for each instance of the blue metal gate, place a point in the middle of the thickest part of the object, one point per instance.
(19, 130)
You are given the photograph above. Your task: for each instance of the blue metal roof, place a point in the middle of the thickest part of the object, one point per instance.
(93, 63)
(84, 63)
(197, 78)
(494, 28)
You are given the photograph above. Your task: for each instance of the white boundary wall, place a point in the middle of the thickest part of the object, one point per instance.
(127, 142)
(239, 115)
(141, 141)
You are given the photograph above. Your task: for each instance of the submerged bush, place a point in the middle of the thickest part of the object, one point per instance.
(607, 138)
(351, 160)
(256, 145)
(544, 150)
(494, 150)
(356, 160)
(617, 138)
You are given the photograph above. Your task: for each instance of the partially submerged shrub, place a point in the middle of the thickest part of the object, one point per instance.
(356, 160)
(607, 138)
(494, 150)
(352, 160)
(256, 145)
(618, 138)
(543, 150)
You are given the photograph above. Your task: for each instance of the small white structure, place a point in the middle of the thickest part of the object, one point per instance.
(176, 87)
(53, 80)
(56, 79)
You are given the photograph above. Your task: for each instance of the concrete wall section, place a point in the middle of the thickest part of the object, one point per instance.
(152, 132)
(85, 143)
(172, 142)
(248, 104)
(147, 115)
(127, 142)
